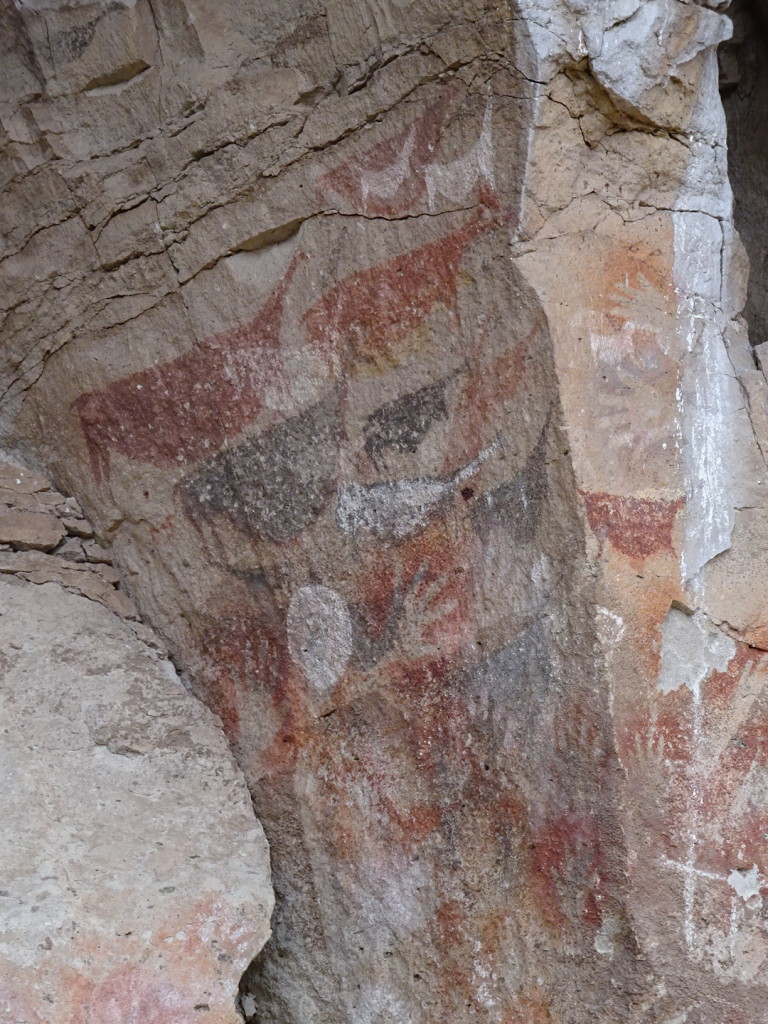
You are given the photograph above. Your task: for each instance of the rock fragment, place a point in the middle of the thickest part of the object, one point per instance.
(31, 531)
(135, 877)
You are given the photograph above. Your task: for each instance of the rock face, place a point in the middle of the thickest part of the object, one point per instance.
(395, 352)
(135, 878)
(45, 538)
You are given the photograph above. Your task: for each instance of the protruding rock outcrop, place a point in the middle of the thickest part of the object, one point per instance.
(134, 876)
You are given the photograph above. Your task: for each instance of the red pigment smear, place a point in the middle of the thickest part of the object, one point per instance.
(719, 688)
(427, 582)
(370, 312)
(672, 737)
(478, 408)
(734, 734)
(743, 753)
(245, 650)
(376, 770)
(129, 994)
(567, 852)
(404, 156)
(178, 411)
(638, 527)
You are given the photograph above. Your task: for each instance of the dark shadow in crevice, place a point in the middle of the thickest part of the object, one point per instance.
(744, 89)
(263, 996)
(247, 1001)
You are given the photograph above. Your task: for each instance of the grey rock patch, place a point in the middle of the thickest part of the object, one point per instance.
(690, 650)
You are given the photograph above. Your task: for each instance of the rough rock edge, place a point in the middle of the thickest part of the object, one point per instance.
(78, 564)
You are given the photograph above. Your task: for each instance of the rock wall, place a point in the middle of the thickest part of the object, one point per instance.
(395, 352)
(135, 878)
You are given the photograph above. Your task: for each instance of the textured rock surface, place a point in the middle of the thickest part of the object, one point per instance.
(397, 356)
(45, 538)
(135, 878)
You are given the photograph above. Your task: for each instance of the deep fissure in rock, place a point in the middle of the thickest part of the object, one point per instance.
(744, 88)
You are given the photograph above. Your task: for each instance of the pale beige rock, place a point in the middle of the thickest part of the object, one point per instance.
(19, 480)
(36, 501)
(30, 530)
(94, 581)
(78, 527)
(95, 552)
(135, 878)
(71, 549)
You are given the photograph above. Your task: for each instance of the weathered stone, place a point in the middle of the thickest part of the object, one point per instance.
(72, 549)
(36, 501)
(30, 530)
(135, 877)
(96, 582)
(20, 481)
(95, 552)
(397, 355)
(636, 54)
(78, 527)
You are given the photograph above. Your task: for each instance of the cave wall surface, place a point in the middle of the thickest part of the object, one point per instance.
(395, 351)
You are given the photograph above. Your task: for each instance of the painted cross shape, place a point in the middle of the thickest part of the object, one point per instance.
(745, 883)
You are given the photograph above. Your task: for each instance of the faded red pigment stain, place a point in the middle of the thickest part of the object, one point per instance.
(715, 749)
(131, 995)
(637, 527)
(365, 318)
(472, 934)
(568, 856)
(719, 688)
(661, 730)
(531, 1008)
(126, 995)
(164, 530)
(627, 272)
(672, 737)
(737, 727)
(245, 650)
(15, 1003)
(455, 930)
(402, 820)
(388, 178)
(178, 411)
(487, 388)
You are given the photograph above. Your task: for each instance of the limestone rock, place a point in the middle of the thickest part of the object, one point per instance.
(78, 527)
(642, 44)
(395, 355)
(71, 548)
(135, 878)
(55, 546)
(27, 531)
